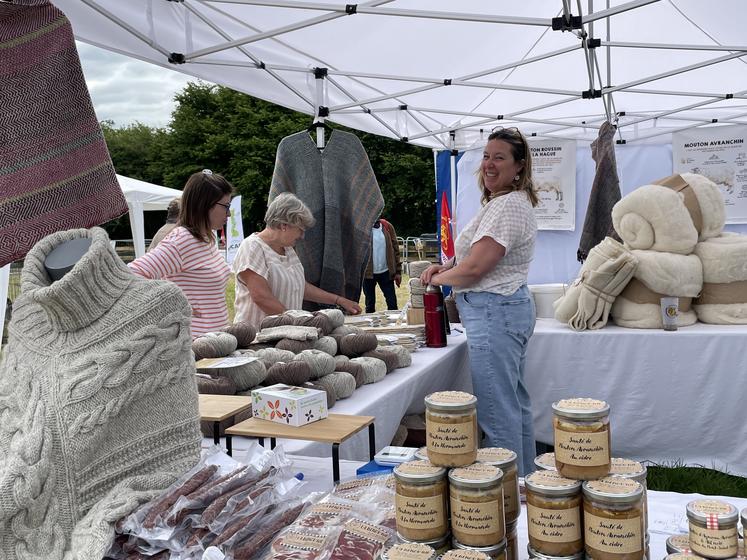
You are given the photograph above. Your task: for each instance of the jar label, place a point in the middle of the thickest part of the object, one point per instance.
(495, 455)
(477, 518)
(451, 439)
(546, 461)
(552, 479)
(420, 513)
(451, 397)
(477, 471)
(554, 525)
(424, 468)
(614, 485)
(619, 536)
(625, 466)
(588, 449)
(463, 555)
(581, 404)
(410, 551)
(714, 543)
(712, 506)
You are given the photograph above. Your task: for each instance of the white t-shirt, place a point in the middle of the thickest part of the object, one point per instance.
(379, 250)
(510, 221)
(284, 274)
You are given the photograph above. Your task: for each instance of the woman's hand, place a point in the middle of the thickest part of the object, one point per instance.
(350, 307)
(430, 272)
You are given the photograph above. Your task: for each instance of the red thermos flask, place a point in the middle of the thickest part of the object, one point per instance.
(435, 318)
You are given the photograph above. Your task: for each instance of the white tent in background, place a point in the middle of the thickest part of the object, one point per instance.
(141, 197)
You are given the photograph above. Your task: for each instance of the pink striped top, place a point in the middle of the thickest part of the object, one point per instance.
(198, 269)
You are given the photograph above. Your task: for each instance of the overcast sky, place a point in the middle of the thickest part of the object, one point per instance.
(127, 90)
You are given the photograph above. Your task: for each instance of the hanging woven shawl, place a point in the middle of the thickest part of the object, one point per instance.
(340, 188)
(55, 170)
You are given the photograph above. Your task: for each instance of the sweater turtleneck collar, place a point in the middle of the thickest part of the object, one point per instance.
(85, 293)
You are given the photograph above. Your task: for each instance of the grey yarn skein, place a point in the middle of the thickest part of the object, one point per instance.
(243, 376)
(374, 369)
(336, 317)
(271, 356)
(215, 386)
(356, 370)
(416, 268)
(341, 359)
(346, 329)
(275, 321)
(288, 373)
(214, 345)
(358, 344)
(321, 363)
(391, 361)
(404, 356)
(341, 382)
(331, 396)
(326, 344)
(321, 322)
(243, 331)
(295, 346)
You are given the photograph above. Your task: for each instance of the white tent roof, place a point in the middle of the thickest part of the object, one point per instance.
(419, 69)
(150, 196)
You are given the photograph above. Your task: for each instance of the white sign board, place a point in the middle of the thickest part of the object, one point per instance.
(554, 174)
(234, 230)
(719, 153)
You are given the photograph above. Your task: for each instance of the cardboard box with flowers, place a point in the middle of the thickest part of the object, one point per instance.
(295, 406)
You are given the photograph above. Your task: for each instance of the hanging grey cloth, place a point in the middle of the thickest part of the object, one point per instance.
(605, 192)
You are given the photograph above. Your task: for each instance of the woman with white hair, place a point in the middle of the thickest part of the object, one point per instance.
(270, 275)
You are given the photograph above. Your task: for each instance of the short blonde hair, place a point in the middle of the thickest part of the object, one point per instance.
(288, 209)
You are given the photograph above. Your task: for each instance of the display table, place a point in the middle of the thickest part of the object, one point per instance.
(399, 393)
(334, 429)
(216, 408)
(674, 396)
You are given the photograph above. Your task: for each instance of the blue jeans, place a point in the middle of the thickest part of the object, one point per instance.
(498, 330)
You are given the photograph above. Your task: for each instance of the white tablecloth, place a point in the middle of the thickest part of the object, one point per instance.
(400, 392)
(674, 396)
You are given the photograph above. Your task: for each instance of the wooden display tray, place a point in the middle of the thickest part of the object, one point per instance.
(334, 429)
(216, 408)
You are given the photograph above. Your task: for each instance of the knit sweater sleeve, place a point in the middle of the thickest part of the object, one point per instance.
(164, 260)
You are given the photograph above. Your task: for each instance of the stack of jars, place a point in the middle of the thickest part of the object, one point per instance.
(458, 496)
(584, 501)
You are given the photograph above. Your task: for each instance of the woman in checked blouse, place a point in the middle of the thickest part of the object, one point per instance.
(489, 276)
(269, 276)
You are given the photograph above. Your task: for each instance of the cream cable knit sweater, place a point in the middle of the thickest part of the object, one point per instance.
(98, 402)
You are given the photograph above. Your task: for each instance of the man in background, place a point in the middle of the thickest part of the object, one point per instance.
(383, 266)
(172, 216)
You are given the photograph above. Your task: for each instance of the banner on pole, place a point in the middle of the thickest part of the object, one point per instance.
(719, 153)
(234, 230)
(447, 241)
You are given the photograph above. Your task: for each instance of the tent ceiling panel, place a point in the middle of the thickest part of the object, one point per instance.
(387, 54)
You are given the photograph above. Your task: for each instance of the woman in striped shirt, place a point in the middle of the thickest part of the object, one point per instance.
(270, 275)
(189, 255)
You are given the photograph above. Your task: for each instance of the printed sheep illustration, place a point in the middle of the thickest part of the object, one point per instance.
(549, 186)
(722, 176)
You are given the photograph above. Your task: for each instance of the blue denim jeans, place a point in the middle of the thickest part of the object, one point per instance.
(498, 330)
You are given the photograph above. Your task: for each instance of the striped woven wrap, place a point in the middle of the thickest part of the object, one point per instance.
(55, 170)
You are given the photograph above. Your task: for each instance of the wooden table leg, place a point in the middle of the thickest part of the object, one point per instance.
(273, 443)
(261, 441)
(371, 441)
(336, 462)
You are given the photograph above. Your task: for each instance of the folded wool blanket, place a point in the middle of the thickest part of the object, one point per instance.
(608, 268)
(703, 200)
(273, 334)
(655, 218)
(723, 299)
(659, 274)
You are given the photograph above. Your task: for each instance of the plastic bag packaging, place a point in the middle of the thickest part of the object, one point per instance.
(362, 540)
(363, 489)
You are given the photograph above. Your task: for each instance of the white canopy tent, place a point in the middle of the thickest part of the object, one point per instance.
(437, 73)
(142, 196)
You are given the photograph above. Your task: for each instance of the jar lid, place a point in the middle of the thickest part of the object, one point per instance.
(682, 556)
(451, 401)
(497, 456)
(613, 490)
(436, 544)
(464, 554)
(492, 551)
(678, 543)
(409, 551)
(581, 408)
(539, 556)
(712, 512)
(546, 462)
(422, 453)
(476, 475)
(628, 468)
(419, 472)
(551, 483)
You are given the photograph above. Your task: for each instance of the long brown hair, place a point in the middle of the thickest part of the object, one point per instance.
(202, 190)
(521, 153)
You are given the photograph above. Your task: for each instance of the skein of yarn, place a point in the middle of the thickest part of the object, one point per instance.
(299, 316)
(295, 346)
(341, 382)
(416, 268)
(207, 385)
(341, 359)
(342, 330)
(331, 397)
(243, 376)
(358, 344)
(271, 356)
(374, 370)
(391, 361)
(322, 322)
(243, 331)
(404, 356)
(334, 315)
(356, 370)
(326, 344)
(288, 373)
(321, 363)
(288, 331)
(214, 345)
(275, 321)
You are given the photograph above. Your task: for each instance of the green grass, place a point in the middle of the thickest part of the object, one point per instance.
(701, 480)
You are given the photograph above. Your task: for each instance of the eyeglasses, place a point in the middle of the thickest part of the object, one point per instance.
(510, 129)
(226, 206)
